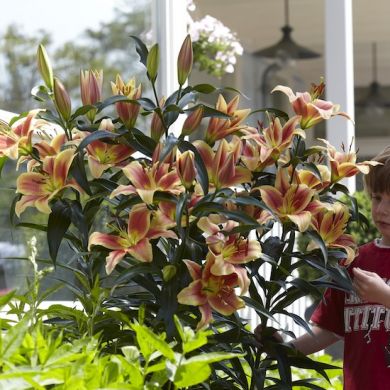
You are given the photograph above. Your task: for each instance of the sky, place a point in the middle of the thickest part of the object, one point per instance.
(64, 19)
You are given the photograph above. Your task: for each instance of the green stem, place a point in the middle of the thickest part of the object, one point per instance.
(179, 94)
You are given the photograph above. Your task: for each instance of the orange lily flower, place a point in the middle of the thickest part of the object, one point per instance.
(330, 224)
(143, 225)
(147, 180)
(308, 105)
(38, 188)
(210, 292)
(290, 202)
(343, 164)
(221, 165)
(219, 128)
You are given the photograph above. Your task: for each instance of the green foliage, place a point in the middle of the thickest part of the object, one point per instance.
(364, 230)
(36, 354)
(335, 375)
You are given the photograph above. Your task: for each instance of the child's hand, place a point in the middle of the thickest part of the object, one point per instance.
(259, 335)
(371, 287)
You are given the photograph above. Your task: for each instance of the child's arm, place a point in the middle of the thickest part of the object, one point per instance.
(307, 344)
(371, 287)
(320, 339)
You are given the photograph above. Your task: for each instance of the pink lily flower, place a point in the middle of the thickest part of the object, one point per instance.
(38, 188)
(290, 202)
(330, 224)
(16, 141)
(143, 225)
(343, 164)
(210, 292)
(127, 111)
(304, 176)
(147, 180)
(229, 250)
(308, 105)
(102, 156)
(219, 128)
(221, 165)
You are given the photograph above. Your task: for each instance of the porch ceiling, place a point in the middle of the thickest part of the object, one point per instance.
(258, 23)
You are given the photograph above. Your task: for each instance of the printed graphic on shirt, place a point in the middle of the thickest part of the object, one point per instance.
(367, 317)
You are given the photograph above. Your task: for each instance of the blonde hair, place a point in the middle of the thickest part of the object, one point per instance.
(378, 179)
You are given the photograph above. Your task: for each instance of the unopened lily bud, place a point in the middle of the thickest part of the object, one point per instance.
(91, 84)
(152, 62)
(192, 122)
(156, 127)
(62, 99)
(186, 168)
(169, 271)
(184, 60)
(44, 66)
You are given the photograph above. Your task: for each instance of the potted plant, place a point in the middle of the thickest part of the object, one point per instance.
(168, 231)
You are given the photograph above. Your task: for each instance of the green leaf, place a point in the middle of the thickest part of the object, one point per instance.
(135, 270)
(320, 242)
(180, 211)
(13, 338)
(57, 225)
(274, 111)
(204, 88)
(141, 49)
(112, 100)
(169, 144)
(147, 104)
(207, 208)
(190, 374)
(81, 111)
(77, 170)
(141, 142)
(3, 160)
(96, 135)
(149, 342)
(260, 309)
(4, 299)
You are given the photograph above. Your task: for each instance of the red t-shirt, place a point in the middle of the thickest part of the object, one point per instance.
(365, 327)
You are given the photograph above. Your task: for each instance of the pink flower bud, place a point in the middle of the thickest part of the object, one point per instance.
(91, 84)
(186, 168)
(184, 60)
(192, 122)
(62, 99)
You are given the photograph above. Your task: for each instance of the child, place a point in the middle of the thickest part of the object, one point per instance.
(362, 319)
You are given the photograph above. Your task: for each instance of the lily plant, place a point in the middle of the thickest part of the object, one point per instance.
(184, 223)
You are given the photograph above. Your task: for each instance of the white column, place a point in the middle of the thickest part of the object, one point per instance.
(6, 116)
(339, 73)
(170, 27)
